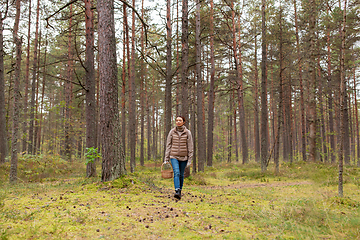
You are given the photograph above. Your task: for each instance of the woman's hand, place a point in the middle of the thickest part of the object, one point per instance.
(188, 164)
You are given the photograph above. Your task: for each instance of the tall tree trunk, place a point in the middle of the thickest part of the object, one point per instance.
(168, 71)
(132, 103)
(357, 124)
(113, 165)
(235, 131)
(256, 107)
(41, 128)
(193, 129)
(346, 139)
(126, 56)
(153, 150)
(148, 123)
(177, 109)
(36, 135)
(3, 137)
(342, 101)
(312, 84)
(230, 132)
(322, 118)
(184, 60)
(330, 98)
(281, 99)
(16, 106)
(356, 113)
(210, 136)
(200, 118)
(240, 94)
(91, 128)
(68, 95)
(33, 84)
(302, 105)
(142, 82)
(26, 92)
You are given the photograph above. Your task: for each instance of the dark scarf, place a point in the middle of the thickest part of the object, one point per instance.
(180, 129)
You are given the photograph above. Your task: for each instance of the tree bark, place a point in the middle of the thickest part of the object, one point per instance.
(33, 84)
(312, 84)
(36, 135)
(91, 126)
(281, 98)
(168, 99)
(193, 129)
(184, 60)
(113, 165)
(240, 94)
(41, 120)
(200, 118)
(16, 106)
(230, 127)
(142, 83)
(126, 56)
(68, 95)
(256, 107)
(210, 136)
(132, 106)
(26, 91)
(342, 101)
(346, 139)
(322, 118)
(330, 97)
(302, 105)
(3, 137)
(235, 132)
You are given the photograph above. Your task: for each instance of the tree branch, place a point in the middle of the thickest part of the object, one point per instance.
(56, 12)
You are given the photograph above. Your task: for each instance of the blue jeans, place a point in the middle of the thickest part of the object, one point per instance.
(179, 169)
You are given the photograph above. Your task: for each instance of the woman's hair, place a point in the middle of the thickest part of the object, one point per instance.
(183, 118)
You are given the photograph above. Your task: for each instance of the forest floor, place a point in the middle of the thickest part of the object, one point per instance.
(228, 201)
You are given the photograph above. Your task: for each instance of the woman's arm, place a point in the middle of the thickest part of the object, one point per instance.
(168, 147)
(190, 145)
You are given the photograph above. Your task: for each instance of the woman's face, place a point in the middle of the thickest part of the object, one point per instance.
(179, 121)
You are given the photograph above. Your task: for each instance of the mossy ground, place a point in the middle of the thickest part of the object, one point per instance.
(227, 201)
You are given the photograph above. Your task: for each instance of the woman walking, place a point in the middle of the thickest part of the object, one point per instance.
(179, 150)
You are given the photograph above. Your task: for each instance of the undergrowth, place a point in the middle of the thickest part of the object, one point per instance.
(53, 200)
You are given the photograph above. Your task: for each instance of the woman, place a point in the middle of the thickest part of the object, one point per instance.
(179, 150)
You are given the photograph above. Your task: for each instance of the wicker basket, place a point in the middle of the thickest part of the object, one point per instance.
(166, 173)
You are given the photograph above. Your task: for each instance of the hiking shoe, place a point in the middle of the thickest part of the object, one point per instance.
(177, 194)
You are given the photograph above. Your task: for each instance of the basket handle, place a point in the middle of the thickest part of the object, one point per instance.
(163, 165)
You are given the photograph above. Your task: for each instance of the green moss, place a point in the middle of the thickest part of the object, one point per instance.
(227, 201)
